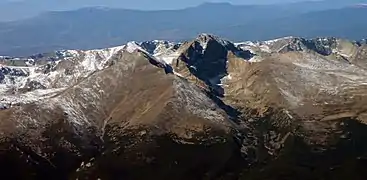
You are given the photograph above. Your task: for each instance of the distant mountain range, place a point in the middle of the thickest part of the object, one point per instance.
(90, 28)
(19, 9)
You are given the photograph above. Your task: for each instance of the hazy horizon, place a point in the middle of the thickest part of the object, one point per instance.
(11, 10)
(136, 4)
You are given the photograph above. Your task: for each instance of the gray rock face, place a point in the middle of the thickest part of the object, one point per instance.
(323, 46)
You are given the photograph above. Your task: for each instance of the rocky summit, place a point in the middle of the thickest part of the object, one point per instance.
(289, 108)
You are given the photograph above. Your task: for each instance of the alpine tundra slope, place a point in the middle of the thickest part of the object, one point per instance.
(203, 109)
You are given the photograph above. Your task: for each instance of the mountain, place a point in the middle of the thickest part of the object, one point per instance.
(343, 23)
(21, 9)
(206, 108)
(111, 27)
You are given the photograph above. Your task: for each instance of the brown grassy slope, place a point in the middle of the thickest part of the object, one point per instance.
(84, 121)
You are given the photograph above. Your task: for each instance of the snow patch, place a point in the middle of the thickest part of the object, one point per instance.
(167, 58)
(272, 41)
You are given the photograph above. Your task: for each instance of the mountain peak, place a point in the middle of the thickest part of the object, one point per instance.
(205, 38)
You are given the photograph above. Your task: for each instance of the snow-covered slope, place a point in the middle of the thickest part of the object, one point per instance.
(34, 81)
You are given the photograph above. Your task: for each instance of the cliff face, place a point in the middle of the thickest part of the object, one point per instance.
(206, 109)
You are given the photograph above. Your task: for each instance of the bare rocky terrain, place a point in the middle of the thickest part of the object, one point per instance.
(289, 108)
